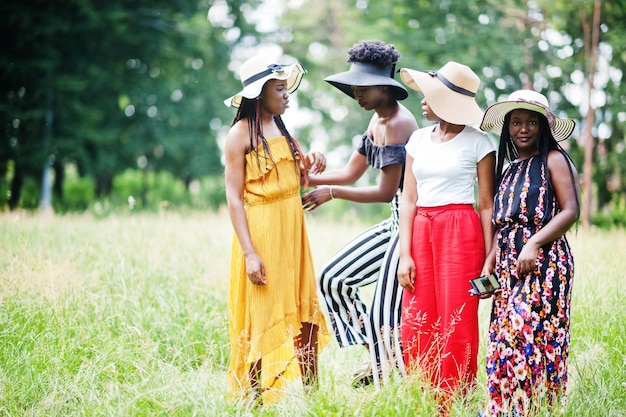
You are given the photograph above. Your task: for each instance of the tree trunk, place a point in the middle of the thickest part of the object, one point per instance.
(104, 184)
(45, 203)
(16, 184)
(59, 176)
(592, 37)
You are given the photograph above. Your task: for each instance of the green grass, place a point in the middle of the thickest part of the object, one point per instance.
(127, 316)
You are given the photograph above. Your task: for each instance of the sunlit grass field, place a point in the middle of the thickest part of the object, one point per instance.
(127, 316)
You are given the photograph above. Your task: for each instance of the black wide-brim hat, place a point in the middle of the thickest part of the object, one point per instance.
(367, 75)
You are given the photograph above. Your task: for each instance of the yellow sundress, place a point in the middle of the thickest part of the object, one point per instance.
(264, 319)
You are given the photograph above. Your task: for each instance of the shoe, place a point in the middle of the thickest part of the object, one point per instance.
(363, 376)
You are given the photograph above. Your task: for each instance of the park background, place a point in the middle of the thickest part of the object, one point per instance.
(116, 105)
(114, 241)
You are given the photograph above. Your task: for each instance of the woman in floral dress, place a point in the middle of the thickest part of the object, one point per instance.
(536, 203)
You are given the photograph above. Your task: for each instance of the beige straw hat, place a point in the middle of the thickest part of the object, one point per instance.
(493, 119)
(256, 71)
(450, 91)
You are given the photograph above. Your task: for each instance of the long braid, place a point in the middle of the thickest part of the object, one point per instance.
(296, 151)
(259, 134)
(506, 150)
(250, 109)
(547, 143)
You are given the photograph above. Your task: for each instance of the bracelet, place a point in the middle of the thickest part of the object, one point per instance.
(330, 190)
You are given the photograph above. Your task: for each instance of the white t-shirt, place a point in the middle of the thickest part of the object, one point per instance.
(446, 172)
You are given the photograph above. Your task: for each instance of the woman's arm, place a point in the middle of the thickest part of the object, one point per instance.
(408, 209)
(354, 169)
(397, 131)
(235, 151)
(567, 192)
(486, 180)
(383, 192)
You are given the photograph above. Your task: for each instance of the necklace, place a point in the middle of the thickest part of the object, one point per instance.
(442, 136)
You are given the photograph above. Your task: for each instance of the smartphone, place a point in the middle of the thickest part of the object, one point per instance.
(484, 285)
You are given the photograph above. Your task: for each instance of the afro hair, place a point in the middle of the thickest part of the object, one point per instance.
(373, 52)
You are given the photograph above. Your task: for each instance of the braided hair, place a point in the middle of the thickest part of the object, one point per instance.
(250, 109)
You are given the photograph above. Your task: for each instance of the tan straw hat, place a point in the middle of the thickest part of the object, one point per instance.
(256, 71)
(450, 91)
(493, 120)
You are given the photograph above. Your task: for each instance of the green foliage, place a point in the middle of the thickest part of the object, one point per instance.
(211, 193)
(613, 214)
(149, 190)
(105, 84)
(78, 195)
(511, 44)
(111, 86)
(30, 194)
(133, 190)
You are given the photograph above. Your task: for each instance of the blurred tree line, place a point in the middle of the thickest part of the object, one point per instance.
(121, 102)
(111, 91)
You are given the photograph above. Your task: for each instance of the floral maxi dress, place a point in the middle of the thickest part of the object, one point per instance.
(529, 329)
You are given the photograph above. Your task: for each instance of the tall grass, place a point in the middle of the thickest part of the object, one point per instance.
(127, 316)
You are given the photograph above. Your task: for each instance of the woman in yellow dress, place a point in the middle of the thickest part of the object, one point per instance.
(276, 325)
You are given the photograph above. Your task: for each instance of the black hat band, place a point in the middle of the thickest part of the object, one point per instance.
(270, 69)
(450, 85)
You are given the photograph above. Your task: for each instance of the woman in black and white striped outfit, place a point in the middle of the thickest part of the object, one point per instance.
(371, 257)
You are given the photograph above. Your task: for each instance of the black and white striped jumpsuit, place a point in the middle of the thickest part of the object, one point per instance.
(371, 257)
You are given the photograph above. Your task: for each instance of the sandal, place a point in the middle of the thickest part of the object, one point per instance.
(363, 376)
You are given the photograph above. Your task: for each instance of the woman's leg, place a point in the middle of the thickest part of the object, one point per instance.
(459, 255)
(420, 324)
(356, 265)
(384, 325)
(255, 380)
(306, 351)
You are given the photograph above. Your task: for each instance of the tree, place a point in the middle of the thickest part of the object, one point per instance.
(111, 85)
(591, 29)
(511, 44)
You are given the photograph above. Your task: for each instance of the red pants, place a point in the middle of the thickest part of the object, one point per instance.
(439, 327)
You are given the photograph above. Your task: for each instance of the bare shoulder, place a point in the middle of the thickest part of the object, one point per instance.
(401, 126)
(238, 136)
(558, 161)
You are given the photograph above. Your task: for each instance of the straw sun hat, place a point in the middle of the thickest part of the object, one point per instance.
(493, 120)
(256, 71)
(450, 91)
(363, 74)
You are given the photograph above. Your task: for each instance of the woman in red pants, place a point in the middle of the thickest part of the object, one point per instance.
(442, 236)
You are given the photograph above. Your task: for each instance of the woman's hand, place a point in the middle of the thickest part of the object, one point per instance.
(487, 270)
(312, 163)
(527, 259)
(406, 273)
(255, 269)
(316, 162)
(316, 197)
